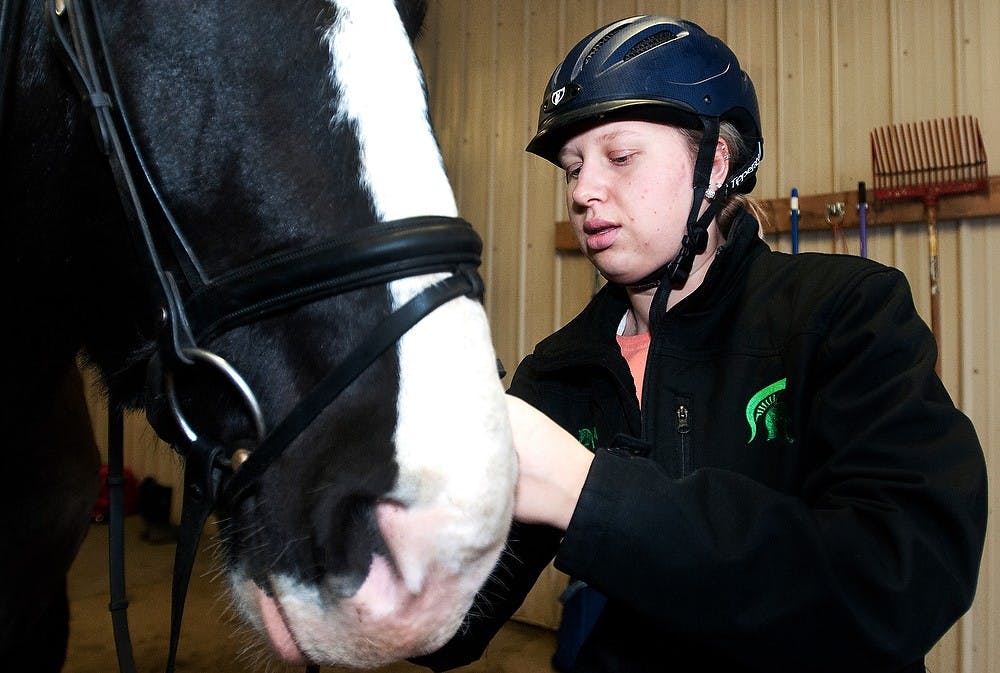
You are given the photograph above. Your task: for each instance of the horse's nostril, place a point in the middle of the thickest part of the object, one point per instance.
(342, 537)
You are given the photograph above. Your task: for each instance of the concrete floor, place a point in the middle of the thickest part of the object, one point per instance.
(210, 640)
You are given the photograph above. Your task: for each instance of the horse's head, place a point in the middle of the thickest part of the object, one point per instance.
(365, 537)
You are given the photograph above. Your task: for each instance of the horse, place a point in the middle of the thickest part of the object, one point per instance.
(239, 217)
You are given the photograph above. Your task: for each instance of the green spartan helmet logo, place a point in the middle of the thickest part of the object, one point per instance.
(587, 437)
(769, 404)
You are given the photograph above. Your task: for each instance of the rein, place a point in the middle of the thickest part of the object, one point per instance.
(216, 475)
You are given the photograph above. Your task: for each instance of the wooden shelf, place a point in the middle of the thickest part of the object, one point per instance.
(813, 212)
(812, 209)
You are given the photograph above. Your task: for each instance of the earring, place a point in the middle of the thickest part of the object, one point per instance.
(710, 191)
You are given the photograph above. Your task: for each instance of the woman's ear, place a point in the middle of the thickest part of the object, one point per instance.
(720, 166)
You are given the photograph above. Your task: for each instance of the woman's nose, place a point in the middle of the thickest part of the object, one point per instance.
(590, 185)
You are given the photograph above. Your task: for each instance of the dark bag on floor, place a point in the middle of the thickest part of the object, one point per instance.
(581, 608)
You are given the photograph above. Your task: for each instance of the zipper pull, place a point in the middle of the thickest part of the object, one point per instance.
(682, 420)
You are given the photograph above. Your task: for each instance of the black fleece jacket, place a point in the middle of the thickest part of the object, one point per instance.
(798, 493)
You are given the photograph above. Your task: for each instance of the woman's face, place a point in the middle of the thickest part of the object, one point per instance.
(628, 192)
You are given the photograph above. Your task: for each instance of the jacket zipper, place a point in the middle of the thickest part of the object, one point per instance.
(683, 428)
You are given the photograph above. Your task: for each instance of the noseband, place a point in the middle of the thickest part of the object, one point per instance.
(216, 475)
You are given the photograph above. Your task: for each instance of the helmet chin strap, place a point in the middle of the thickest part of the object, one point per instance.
(674, 274)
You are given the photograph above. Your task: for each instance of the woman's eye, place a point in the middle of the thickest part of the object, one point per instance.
(618, 159)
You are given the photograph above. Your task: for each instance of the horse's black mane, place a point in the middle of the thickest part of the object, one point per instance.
(412, 13)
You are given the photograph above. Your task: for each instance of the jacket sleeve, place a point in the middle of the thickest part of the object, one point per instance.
(529, 549)
(865, 567)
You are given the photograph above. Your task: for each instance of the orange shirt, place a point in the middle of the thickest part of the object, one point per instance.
(634, 350)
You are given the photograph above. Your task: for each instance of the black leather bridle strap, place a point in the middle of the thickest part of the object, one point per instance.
(116, 138)
(85, 63)
(116, 539)
(368, 256)
(202, 477)
(388, 332)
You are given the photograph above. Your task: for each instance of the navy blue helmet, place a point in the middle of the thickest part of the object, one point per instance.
(651, 68)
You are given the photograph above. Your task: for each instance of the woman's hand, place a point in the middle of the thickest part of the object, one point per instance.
(552, 467)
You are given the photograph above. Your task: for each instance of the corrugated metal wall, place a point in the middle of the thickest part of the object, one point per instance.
(827, 73)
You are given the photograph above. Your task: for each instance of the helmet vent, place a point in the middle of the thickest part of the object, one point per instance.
(600, 43)
(650, 42)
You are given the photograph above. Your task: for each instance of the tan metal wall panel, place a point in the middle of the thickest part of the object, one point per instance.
(510, 236)
(544, 197)
(978, 394)
(978, 52)
(923, 72)
(860, 76)
(803, 83)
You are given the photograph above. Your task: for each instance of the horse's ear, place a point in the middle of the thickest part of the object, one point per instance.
(412, 12)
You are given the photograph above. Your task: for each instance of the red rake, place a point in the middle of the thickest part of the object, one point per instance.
(927, 160)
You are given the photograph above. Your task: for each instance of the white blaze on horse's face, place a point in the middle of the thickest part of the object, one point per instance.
(447, 518)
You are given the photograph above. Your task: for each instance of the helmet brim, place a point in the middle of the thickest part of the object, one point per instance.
(557, 130)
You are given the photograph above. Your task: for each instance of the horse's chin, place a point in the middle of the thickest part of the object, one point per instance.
(383, 623)
(405, 606)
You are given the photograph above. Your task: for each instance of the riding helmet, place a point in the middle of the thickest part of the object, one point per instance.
(651, 68)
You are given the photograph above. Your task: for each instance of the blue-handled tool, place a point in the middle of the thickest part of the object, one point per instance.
(795, 221)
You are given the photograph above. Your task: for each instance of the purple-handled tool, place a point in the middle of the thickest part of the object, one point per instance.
(795, 221)
(863, 218)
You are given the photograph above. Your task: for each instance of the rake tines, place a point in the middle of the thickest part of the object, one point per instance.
(927, 159)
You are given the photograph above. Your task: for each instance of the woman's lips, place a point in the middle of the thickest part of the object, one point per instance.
(600, 236)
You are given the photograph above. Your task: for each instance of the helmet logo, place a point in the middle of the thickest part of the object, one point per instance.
(563, 94)
(738, 180)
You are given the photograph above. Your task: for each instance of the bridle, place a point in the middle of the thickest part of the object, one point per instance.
(216, 475)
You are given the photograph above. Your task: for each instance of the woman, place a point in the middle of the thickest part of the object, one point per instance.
(775, 478)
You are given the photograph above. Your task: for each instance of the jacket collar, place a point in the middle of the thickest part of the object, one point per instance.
(590, 336)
